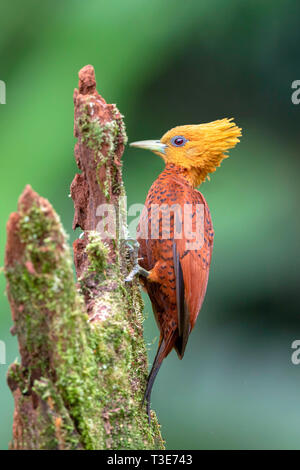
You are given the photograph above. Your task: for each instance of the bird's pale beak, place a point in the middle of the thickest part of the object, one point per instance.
(153, 145)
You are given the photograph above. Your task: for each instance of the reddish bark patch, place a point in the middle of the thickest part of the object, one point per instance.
(100, 165)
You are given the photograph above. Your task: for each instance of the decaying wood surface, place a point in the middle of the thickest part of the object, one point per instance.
(82, 370)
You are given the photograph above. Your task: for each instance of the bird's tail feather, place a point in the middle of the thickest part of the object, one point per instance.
(162, 352)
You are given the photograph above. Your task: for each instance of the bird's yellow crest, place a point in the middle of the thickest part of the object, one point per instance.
(199, 148)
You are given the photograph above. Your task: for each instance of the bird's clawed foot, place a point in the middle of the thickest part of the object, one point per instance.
(137, 270)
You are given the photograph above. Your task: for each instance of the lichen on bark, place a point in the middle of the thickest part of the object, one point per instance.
(83, 366)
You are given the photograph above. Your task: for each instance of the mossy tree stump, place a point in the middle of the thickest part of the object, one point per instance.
(83, 366)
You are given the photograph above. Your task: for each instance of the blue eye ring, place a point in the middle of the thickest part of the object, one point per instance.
(178, 141)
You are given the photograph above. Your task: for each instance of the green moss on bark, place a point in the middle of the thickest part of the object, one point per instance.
(95, 135)
(87, 376)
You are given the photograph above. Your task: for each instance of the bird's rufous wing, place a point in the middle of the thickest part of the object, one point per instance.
(192, 255)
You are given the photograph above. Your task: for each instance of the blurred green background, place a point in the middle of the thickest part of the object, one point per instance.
(164, 64)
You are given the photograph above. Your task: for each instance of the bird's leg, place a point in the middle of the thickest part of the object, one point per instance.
(137, 270)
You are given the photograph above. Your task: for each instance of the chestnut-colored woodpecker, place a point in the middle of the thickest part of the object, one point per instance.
(175, 232)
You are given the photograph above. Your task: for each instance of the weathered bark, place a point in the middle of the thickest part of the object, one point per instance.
(83, 366)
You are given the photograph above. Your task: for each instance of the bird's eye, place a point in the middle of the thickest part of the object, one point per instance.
(178, 141)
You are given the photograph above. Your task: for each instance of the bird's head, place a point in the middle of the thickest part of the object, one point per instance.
(198, 148)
